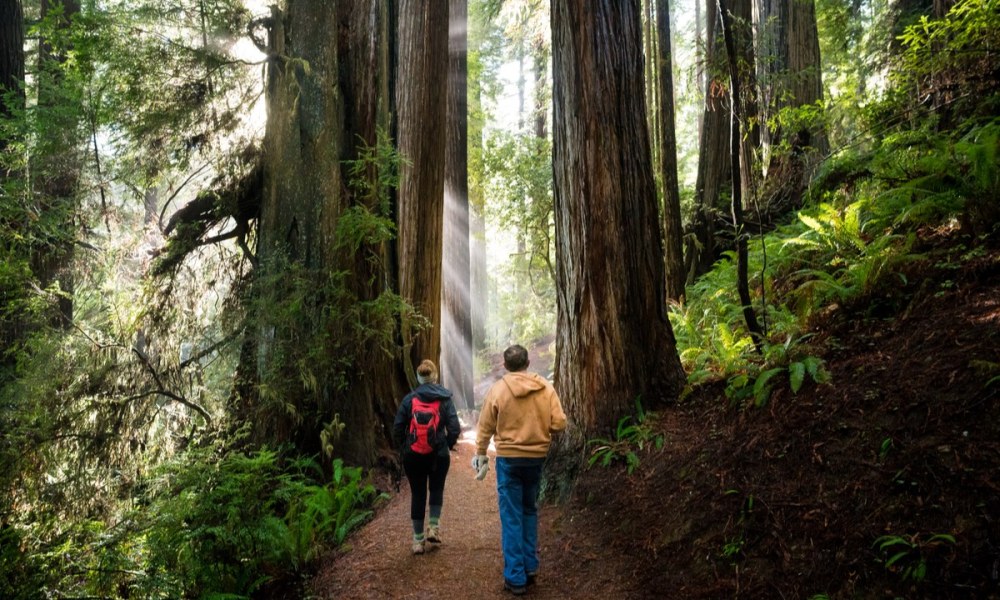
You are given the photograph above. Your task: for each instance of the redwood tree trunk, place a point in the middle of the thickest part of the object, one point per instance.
(791, 73)
(301, 202)
(713, 153)
(790, 76)
(747, 105)
(365, 81)
(649, 65)
(11, 101)
(614, 343)
(56, 169)
(456, 320)
(11, 59)
(673, 234)
(422, 82)
(738, 161)
(478, 277)
(317, 380)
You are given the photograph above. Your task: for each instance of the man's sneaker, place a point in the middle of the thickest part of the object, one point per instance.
(418, 546)
(434, 535)
(532, 577)
(517, 590)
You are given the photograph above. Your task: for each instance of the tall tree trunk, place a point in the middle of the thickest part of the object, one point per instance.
(745, 63)
(302, 201)
(542, 222)
(366, 85)
(699, 54)
(456, 322)
(522, 224)
(478, 277)
(11, 102)
(656, 133)
(614, 343)
(540, 58)
(713, 156)
(736, 149)
(11, 61)
(673, 234)
(421, 82)
(649, 66)
(57, 168)
(791, 76)
(323, 381)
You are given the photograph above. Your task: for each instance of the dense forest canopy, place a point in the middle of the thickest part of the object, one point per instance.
(230, 229)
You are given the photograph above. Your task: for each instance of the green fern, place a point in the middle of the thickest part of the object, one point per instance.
(631, 435)
(762, 387)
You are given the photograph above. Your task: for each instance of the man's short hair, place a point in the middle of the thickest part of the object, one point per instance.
(515, 358)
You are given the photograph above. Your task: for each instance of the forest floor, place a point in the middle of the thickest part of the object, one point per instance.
(783, 501)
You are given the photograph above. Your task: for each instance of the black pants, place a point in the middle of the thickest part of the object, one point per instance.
(421, 469)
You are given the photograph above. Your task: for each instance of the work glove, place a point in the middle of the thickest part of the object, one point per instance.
(481, 465)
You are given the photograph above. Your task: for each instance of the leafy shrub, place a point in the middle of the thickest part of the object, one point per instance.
(20, 576)
(631, 435)
(758, 387)
(907, 555)
(229, 526)
(216, 524)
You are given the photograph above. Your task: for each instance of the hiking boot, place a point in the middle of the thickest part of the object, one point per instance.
(517, 590)
(531, 578)
(434, 534)
(418, 546)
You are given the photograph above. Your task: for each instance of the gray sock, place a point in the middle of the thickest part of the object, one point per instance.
(418, 529)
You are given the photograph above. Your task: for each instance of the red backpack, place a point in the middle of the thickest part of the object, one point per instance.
(424, 420)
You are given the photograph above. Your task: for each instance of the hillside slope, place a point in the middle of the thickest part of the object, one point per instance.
(787, 501)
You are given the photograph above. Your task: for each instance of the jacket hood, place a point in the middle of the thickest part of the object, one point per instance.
(524, 383)
(428, 391)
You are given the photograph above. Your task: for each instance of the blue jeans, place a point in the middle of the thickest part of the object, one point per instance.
(518, 480)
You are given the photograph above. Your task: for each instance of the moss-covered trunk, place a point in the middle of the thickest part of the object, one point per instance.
(325, 357)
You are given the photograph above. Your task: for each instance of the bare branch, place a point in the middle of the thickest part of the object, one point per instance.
(177, 191)
(167, 393)
(229, 338)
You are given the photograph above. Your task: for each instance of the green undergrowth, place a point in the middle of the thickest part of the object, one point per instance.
(212, 523)
(852, 244)
(632, 435)
(923, 168)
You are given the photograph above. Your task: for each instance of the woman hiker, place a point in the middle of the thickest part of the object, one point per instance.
(426, 429)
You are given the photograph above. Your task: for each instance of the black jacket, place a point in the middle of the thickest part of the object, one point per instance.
(447, 436)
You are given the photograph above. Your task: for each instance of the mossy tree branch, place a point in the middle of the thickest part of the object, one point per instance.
(233, 198)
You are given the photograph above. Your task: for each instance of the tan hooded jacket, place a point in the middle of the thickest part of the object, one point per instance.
(521, 412)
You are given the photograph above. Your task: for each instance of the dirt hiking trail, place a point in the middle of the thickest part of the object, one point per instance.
(377, 561)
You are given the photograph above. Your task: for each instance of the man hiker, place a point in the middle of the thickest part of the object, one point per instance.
(521, 412)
